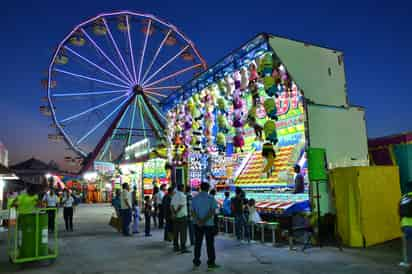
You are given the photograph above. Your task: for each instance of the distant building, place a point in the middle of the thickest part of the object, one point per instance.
(4, 155)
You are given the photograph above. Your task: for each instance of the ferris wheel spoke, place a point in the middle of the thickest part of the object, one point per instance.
(107, 57)
(164, 65)
(102, 121)
(156, 54)
(91, 78)
(90, 93)
(92, 109)
(154, 93)
(153, 98)
(159, 112)
(141, 117)
(107, 145)
(131, 48)
(96, 66)
(132, 121)
(172, 75)
(144, 50)
(151, 118)
(165, 87)
(117, 48)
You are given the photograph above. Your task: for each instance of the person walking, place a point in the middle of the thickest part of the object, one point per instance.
(147, 215)
(51, 202)
(179, 212)
(237, 211)
(68, 202)
(126, 209)
(136, 217)
(203, 210)
(226, 209)
(116, 202)
(167, 213)
(158, 202)
(155, 204)
(189, 199)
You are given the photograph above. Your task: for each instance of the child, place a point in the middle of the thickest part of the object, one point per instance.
(147, 215)
(254, 217)
(136, 217)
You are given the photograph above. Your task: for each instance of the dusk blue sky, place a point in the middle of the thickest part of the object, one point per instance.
(375, 37)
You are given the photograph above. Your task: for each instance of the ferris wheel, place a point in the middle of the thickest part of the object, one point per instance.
(107, 79)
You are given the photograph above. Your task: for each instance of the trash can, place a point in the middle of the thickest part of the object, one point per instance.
(27, 235)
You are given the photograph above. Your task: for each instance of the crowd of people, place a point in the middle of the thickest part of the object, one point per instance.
(186, 216)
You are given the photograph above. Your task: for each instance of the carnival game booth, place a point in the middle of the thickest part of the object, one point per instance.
(395, 150)
(257, 113)
(154, 174)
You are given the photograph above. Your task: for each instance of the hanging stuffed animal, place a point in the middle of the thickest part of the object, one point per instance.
(230, 86)
(254, 90)
(197, 132)
(270, 86)
(188, 122)
(251, 119)
(222, 87)
(237, 102)
(222, 123)
(244, 80)
(238, 140)
(221, 105)
(270, 108)
(221, 142)
(238, 118)
(253, 75)
(270, 131)
(268, 153)
(236, 79)
(266, 65)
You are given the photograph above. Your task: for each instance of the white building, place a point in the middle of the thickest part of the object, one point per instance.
(4, 155)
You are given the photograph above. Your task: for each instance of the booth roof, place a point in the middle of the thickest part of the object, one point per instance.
(402, 138)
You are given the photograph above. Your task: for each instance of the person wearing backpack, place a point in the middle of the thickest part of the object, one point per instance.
(405, 212)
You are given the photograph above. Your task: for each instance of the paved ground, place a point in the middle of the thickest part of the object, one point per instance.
(95, 248)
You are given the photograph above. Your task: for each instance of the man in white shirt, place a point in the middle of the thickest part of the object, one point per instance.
(125, 209)
(51, 200)
(158, 203)
(179, 211)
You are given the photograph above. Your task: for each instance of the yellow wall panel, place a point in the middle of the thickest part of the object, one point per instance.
(366, 200)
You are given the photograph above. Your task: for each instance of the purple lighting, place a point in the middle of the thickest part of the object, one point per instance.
(117, 48)
(156, 54)
(105, 55)
(87, 93)
(144, 50)
(91, 78)
(102, 121)
(155, 93)
(164, 65)
(166, 87)
(131, 48)
(96, 66)
(172, 75)
(92, 109)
